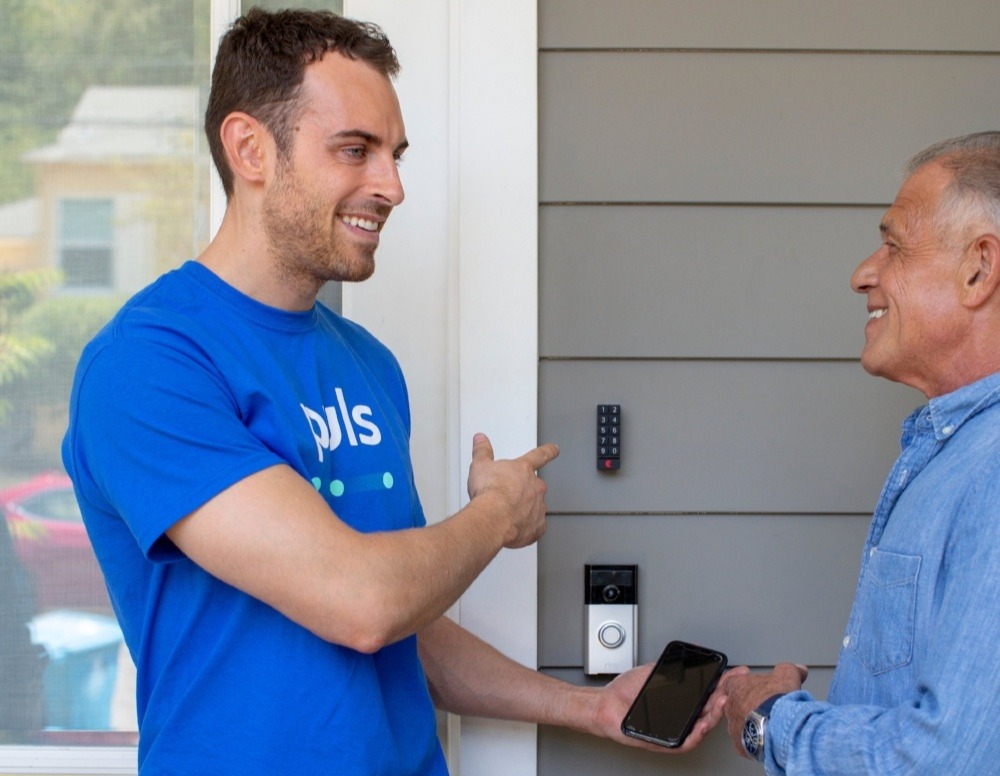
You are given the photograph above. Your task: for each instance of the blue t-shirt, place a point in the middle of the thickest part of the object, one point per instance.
(192, 387)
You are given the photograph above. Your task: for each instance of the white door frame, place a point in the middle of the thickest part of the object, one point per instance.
(455, 293)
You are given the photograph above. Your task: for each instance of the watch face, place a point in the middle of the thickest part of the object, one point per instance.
(753, 738)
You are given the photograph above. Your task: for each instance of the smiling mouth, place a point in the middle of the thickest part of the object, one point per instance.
(361, 223)
(876, 313)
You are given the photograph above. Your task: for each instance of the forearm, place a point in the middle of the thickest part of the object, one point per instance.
(272, 536)
(935, 734)
(427, 570)
(469, 677)
(417, 575)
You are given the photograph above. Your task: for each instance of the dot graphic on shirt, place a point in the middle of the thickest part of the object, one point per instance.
(317, 483)
(366, 482)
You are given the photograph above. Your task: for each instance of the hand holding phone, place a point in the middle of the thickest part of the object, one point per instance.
(669, 703)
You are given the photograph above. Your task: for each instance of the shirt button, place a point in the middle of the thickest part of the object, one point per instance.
(847, 641)
(947, 430)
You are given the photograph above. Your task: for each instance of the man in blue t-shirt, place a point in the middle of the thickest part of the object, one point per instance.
(915, 688)
(241, 457)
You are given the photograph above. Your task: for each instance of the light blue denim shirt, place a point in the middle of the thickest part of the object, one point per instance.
(917, 684)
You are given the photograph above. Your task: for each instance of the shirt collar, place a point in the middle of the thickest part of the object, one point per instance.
(946, 414)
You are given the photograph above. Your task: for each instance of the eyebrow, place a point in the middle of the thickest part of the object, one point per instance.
(887, 229)
(369, 138)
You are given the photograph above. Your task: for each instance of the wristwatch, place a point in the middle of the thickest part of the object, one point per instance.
(754, 728)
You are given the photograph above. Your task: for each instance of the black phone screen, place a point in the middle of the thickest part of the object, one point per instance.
(670, 701)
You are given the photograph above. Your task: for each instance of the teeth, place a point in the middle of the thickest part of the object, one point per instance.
(363, 223)
(876, 313)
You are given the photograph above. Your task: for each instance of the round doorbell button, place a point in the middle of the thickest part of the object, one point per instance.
(611, 635)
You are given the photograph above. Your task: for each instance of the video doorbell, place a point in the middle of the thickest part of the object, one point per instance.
(611, 618)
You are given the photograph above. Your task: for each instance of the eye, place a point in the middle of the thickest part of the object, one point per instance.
(356, 153)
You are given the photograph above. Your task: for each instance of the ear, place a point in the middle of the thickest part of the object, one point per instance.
(246, 144)
(981, 270)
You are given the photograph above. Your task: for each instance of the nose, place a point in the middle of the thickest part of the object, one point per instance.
(388, 184)
(865, 276)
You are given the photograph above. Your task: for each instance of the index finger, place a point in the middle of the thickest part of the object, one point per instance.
(541, 455)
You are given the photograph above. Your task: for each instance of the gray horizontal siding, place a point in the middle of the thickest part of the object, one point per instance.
(710, 174)
(749, 127)
(719, 282)
(739, 436)
(760, 588)
(880, 25)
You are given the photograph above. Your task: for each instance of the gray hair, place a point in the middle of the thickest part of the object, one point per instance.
(973, 196)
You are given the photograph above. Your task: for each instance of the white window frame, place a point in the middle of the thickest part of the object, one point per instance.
(57, 760)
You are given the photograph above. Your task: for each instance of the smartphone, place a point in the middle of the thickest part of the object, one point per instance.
(673, 696)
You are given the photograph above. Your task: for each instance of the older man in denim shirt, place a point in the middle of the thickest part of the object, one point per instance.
(917, 685)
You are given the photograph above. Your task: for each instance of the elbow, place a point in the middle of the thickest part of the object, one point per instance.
(365, 620)
(363, 632)
(368, 641)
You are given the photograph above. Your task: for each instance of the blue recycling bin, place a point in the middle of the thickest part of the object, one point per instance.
(79, 680)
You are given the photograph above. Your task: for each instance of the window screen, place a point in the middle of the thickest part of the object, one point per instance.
(104, 180)
(104, 184)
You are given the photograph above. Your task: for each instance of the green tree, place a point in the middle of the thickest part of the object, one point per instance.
(20, 352)
(52, 50)
(41, 338)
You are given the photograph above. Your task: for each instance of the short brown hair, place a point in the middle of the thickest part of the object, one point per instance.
(261, 63)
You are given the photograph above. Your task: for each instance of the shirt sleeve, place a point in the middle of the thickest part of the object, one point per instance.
(155, 433)
(949, 724)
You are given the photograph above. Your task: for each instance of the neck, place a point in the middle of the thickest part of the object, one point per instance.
(240, 254)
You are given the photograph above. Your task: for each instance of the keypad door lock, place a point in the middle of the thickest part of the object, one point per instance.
(609, 437)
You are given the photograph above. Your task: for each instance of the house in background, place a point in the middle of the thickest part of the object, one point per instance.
(19, 233)
(119, 194)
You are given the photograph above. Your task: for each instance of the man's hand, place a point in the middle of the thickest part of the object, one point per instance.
(519, 492)
(747, 691)
(618, 695)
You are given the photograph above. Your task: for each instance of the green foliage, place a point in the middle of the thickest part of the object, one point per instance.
(41, 338)
(66, 323)
(19, 290)
(17, 356)
(20, 352)
(52, 50)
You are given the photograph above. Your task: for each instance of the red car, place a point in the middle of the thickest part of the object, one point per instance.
(46, 526)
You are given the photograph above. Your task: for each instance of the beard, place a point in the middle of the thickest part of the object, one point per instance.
(302, 234)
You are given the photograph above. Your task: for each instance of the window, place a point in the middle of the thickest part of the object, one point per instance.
(104, 184)
(86, 242)
(105, 180)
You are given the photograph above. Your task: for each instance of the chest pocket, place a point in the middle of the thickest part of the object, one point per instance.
(882, 637)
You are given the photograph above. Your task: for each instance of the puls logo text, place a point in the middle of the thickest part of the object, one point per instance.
(333, 424)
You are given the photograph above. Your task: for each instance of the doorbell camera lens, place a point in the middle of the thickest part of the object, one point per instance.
(611, 593)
